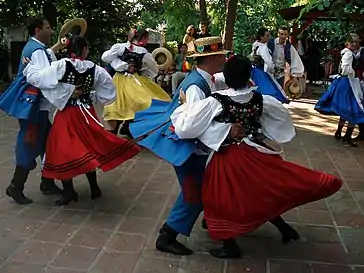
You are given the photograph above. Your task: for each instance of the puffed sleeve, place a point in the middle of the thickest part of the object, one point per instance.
(150, 67)
(190, 120)
(346, 63)
(112, 55)
(44, 78)
(104, 86)
(276, 121)
(263, 51)
(297, 68)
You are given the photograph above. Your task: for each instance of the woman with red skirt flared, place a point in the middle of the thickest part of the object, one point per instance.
(78, 143)
(247, 183)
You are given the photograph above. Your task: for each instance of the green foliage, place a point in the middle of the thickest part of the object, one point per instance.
(253, 14)
(108, 21)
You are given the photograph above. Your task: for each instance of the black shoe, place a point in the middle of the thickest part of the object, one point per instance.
(17, 195)
(49, 187)
(169, 245)
(66, 199)
(290, 235)
(226, 253)
(204, 224)
(95, 193)
(69, 194)
(348, 142)
(229, 250)
(338, 135)
(360, 137)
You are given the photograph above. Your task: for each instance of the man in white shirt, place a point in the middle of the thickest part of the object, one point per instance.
(283, 52)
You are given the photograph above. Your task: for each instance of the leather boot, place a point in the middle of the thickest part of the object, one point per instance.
(49, 187)
(16, 187)
(94, 188)
(288, 232)
(167, 242)
(69, 194)
(229, 250)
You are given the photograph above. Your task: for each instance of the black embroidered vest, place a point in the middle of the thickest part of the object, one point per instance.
(133, 58)
(86, 79)
(247, 113)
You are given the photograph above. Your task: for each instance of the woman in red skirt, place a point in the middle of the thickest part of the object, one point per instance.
(247, 183)
(78, 143)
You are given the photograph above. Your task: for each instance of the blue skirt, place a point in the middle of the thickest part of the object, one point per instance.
(339, 100)
(266, 86)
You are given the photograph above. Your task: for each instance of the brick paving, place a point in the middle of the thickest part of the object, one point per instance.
(117, 233)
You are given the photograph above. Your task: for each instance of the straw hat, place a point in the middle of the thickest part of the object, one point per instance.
(293, 89)
(66, 28)
(205, 47)
(163, 57)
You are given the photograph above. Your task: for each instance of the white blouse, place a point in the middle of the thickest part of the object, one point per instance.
(263, 51)
(58, 93)
(346, 64)
(149, 69)
(194, 120)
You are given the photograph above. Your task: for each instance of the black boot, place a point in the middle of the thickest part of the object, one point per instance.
(92, 180)
(228, 250)
(116, 129)
(360, 137)
(16, 187)
(167, 242)
(348, 141)
(49, 187)
(288, 233)
(69, 194)
(124, 130)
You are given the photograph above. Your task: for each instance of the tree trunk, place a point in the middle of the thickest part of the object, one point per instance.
(203, 11)
(229, 24)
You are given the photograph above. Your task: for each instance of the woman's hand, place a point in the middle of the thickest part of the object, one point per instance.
(182, 97)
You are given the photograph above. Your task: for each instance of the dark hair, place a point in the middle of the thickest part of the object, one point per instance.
(261, 32)
(34, 23)
(76, 44)
(181, 45)
(138, 34)
(237, 71)
(285, 28)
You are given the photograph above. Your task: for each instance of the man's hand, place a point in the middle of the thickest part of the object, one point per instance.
(237, 131)
(25, 61)
(182, 97)
(77, 92)
(131, 69)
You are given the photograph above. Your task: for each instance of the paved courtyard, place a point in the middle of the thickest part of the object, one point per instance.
(116, 234)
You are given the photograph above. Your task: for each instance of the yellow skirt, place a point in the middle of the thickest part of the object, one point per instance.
(133, 93)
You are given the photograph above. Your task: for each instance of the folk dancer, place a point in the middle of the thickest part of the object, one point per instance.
(153, 129)
(344, 96)
(134, 80)
(237, 197)
(263, 71)
(282, 53)
(26, 103)
(78, 143)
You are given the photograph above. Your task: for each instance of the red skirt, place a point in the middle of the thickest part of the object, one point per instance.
(77, 144)
(244, 188)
